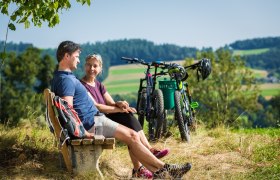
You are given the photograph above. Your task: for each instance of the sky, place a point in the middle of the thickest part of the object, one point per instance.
(191, 23)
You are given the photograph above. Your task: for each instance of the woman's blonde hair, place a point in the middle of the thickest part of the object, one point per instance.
(95, 56)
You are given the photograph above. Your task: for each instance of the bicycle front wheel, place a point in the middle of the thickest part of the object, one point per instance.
(181, 113)
(141, 110)
(158, 115)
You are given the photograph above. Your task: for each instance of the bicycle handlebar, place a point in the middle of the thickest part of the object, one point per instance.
(133, 60)
(193, 66)
(162, 65)
(141, 61)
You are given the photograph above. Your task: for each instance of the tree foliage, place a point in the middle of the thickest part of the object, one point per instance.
(229, 92)
(35, 12)
(256, 43)
(22, 77)
(269, 113)
(112, 51)
(268, 60)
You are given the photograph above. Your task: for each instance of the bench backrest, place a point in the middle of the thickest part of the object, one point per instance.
(58, 130)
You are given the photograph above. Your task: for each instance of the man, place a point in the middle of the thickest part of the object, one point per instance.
(68, 87)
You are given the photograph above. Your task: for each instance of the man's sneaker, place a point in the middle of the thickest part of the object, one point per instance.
(142, 172)
(175, 171)
(159, 153)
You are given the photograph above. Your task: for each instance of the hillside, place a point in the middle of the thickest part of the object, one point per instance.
(261, 53)
(30, 153)
(124, 79)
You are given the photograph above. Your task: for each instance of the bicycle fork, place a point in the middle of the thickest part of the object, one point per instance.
(192, 105)
(150, 109)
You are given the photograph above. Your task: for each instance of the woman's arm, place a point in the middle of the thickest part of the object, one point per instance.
(120, 104)
(107, 108)
(108, 99)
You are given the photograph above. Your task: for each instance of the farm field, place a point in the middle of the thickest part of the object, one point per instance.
(250, 52)
(124, 79)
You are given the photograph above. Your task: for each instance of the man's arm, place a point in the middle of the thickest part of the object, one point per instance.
(69, 99)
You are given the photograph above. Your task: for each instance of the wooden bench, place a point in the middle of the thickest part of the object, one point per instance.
(80, 155)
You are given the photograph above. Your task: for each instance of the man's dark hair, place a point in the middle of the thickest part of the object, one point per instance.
(66, 47)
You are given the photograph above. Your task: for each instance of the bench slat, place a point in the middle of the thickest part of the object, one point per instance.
(109, 141)
(87, 141)
(76, 142)
(99, 139)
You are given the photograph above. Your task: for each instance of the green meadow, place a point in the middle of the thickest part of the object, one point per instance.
(250, 52)
(124, 79)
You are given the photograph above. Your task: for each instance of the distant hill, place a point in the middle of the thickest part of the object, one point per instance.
(261, 53)
(112, 51)
(256, 43)
(16, 47)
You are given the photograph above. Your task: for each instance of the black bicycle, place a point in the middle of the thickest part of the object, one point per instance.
(184, 104)
(150, 100)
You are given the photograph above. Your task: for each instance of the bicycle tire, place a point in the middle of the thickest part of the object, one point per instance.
(164, 124)
(181, 116)
(158, 117)
(142, 107)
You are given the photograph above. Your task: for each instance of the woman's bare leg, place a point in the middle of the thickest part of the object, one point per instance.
(135, 162)
(144, 140)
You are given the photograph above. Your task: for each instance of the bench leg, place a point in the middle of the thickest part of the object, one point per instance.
(85, 159)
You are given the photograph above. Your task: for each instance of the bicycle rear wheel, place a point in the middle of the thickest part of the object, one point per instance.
(141, 110)
(181, 113)
(158, 112)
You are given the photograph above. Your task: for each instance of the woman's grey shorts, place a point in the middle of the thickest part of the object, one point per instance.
(109, 126)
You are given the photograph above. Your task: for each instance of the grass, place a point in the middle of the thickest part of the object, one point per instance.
(270, 92)
(29, 152)
(250, 52)
(259, 73)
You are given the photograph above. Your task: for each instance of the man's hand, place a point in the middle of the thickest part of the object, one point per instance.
(89, 135)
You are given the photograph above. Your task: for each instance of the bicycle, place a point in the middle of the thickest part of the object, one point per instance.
(184, 104)
(149, 99)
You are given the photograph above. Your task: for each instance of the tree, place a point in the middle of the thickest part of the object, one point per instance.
(23, 75)
(228, 94)
(267, 115)
(36, 11)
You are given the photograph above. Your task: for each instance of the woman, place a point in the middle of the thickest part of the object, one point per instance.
(116, 111)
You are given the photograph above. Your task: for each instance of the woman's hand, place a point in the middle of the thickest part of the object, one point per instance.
(132, 110)
(122, 104)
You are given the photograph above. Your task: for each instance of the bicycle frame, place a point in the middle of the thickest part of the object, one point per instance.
(147, 85)
(184, 105)
(186, 96)
(150, 80)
